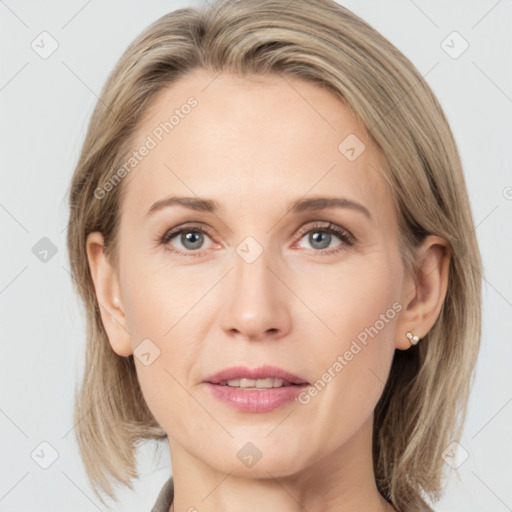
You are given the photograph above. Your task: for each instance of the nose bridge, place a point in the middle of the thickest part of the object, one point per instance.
(257, 306)
(251, 263)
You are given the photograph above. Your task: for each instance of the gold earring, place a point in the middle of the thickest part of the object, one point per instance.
(412, 338)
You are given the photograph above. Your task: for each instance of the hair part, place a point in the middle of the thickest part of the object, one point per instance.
(325, 43)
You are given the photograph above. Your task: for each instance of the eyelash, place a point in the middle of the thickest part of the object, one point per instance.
(346, 237)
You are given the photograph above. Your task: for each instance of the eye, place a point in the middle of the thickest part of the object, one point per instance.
(189, 239)
(320, 237)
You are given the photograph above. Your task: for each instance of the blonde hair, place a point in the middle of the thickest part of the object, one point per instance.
(423, 406)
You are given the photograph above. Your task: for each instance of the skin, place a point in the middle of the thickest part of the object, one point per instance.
(255, 146)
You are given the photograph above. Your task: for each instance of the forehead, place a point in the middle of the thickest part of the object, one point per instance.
(252, 141)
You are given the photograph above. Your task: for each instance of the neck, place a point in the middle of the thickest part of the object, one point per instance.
(341, 481)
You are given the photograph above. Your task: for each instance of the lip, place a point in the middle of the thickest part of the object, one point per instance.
(255, 400)
(262, 372)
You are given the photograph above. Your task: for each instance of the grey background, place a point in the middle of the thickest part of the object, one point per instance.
(45, 105)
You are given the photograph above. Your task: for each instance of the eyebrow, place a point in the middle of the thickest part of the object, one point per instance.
(193, 203)
(322, 203)
(299, 206)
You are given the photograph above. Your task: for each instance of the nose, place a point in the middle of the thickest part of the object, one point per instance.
(257, 305)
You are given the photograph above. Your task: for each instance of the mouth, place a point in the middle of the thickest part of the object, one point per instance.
(267, 383)
(264, 377)
(255, 390)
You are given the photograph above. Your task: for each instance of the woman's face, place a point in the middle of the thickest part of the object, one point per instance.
(254, 278)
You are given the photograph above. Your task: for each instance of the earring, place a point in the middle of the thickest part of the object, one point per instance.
(412, 338)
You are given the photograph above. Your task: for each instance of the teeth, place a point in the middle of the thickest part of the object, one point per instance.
(255, 383)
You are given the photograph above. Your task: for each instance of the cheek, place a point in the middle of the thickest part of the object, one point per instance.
(160, 296)
(163, 312)
(350, 300)
(352, 362)
(165, 392)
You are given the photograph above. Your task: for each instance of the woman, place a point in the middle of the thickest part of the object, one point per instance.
(271, 234)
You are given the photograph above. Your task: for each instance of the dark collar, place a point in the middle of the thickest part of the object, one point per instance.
(165, 497)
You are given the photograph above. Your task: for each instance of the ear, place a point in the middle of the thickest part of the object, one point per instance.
(424, 290)
(106, 286)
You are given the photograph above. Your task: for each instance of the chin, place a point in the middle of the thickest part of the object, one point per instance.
(255, 459)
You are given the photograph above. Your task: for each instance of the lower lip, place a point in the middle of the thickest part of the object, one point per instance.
(255, 400)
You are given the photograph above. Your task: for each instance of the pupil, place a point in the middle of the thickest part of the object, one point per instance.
(192, 237)
(323, 244)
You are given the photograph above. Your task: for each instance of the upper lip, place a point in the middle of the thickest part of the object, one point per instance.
(262, 372)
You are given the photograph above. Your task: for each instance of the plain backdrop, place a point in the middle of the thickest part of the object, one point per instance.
(45, 104)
